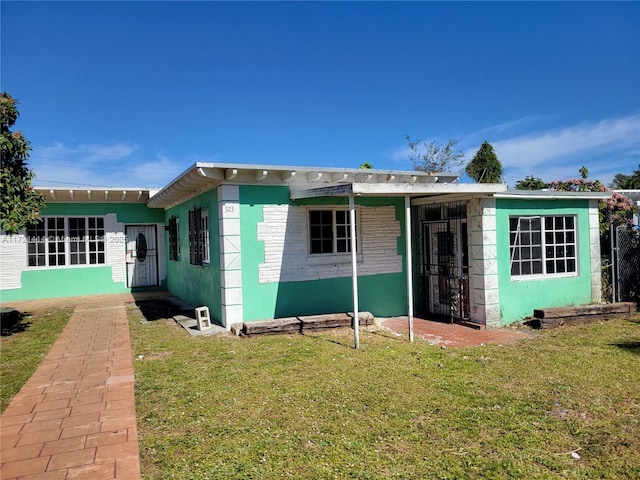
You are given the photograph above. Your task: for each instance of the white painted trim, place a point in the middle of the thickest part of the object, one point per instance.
(408, 260)
(231, 293)
(354, 272)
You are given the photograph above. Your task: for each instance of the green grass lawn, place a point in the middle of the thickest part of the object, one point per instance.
(24, 348)
(313, 407)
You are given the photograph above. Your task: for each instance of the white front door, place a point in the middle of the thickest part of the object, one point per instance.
(142, 256)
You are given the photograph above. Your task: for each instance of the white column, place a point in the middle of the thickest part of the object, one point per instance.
(409, 255)
(354, 272)
(230, 258)
(594, 251)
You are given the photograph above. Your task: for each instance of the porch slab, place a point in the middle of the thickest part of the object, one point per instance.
(451, 335)
(191, 326)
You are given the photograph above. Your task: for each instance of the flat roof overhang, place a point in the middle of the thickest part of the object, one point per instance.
(399, 190)
(551, 195)
(201, 177)
(95, 195)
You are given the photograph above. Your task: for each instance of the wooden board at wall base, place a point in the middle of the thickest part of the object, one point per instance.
(299, 324)
(555, 317)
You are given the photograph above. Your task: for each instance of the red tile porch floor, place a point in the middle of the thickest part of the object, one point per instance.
(75, 417)
(451, 335)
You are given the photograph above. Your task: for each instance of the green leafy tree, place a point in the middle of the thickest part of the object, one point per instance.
(366, 166)
(433, 157)
(21, 204)
(626, 182)
(485, 166)
(531, 183)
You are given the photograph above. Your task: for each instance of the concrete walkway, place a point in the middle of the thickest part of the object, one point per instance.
(75, 417)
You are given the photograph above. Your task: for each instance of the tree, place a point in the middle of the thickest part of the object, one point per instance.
(434, 157)
(626, 182)
(531, 183)
(485, 166)
(21, 204)
(366, 166)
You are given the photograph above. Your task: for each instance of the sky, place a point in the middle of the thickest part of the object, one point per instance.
(130, 94)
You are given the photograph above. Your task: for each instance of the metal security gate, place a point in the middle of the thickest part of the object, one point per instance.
(142, 256)
(626, 264)
(441, 261)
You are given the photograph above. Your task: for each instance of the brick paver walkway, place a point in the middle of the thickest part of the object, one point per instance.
(75, 417)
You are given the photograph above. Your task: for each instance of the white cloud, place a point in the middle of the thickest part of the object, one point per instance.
(535, 149)
(606, 147)
(111, 165)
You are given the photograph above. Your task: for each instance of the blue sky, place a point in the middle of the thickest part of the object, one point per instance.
(132, 93)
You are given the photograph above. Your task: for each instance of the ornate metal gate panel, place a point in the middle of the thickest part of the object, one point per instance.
(441, 261)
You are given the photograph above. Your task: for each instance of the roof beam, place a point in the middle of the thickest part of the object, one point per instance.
(260, 175)
(288, 175)
(314, 176)
(339, 177)
(212, 173)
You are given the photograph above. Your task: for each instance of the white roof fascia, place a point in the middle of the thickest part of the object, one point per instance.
(94, 195)
(551, 195)
(426, 189)
(397, 190)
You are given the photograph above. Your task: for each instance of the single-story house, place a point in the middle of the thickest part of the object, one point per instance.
(256, 242)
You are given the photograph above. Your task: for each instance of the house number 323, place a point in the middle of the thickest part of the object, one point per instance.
(229, 209)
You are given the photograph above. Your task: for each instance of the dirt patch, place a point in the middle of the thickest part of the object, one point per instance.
(157, 309)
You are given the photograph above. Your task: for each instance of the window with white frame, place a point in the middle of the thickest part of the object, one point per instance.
(329, 231)
(198, 236)
(543, 245)
(59, 241)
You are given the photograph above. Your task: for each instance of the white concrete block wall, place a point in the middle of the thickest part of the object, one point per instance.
(284, 231)
(13, 260)
(483, 281)
(230, 255)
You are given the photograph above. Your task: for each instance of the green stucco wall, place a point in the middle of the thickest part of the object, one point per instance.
(77, 281)
(64, 282)
(126, 212)
(195, 284)
(383, 295)
(518, 298)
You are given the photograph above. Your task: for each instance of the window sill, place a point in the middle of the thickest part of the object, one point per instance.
(60, 267)
(332, 259)
(542, 276)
